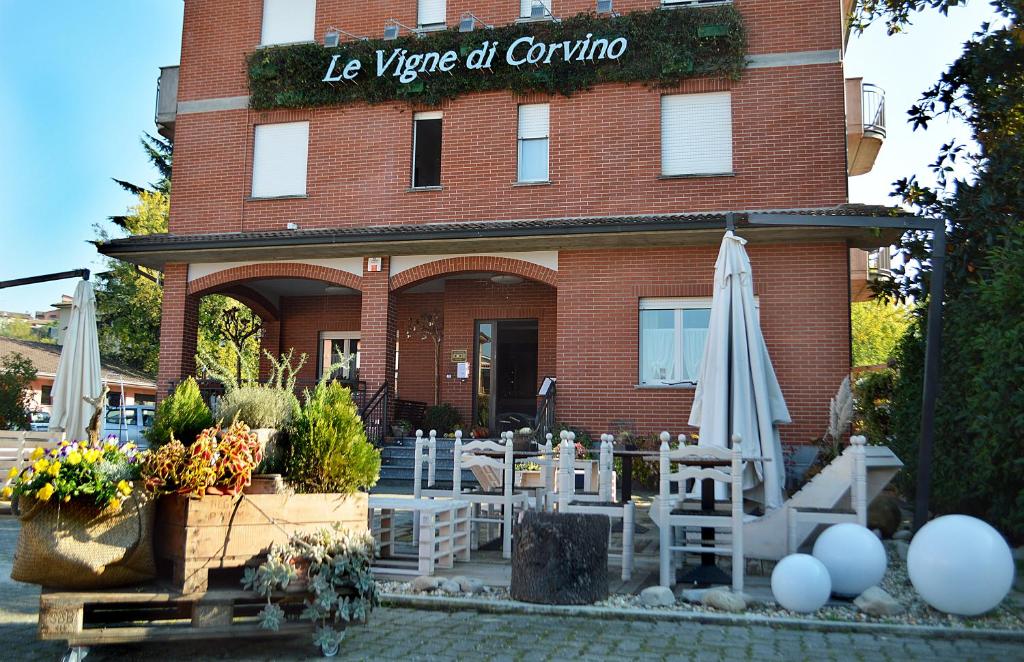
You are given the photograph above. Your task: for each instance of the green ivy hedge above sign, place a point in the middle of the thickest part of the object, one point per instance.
(663, 47)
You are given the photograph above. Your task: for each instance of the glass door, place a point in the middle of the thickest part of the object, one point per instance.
(505, 374)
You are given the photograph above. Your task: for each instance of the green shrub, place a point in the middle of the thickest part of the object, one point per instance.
(259, 407)
(443, 418)
(873, 393)
(16, 375)
(582, 436)
(182, 413)
(329, 450)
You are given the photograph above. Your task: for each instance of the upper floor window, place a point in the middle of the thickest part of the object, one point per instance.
(288, 21)
(533, 142)
(431, 13)
(696, 134)
(672, 337)
(279, 157)
(426, 149)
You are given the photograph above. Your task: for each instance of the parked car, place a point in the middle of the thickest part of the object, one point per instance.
(129, 422)
(40, 421)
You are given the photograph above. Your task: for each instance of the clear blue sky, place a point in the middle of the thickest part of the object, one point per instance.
(77, 86)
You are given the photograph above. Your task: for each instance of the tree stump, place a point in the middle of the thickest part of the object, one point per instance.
(560, 558)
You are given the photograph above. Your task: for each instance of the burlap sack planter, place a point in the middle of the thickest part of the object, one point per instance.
(77, 545)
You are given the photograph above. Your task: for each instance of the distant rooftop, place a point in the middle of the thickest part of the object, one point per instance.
(45, 358)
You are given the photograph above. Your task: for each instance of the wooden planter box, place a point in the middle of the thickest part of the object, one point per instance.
(529, 478)
(194, 536)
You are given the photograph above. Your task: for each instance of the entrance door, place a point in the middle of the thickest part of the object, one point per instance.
(506, 374)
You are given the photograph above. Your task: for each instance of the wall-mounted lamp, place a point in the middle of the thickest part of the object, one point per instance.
(393, 27)
(468, 22)
(333, 37)
(539, 10)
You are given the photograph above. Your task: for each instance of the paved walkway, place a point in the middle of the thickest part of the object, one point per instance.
(404, 634)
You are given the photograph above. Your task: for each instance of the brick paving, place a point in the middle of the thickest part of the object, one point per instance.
(405, 634)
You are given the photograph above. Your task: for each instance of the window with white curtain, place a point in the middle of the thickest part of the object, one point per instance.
(288, 21)
(696, 134)
(672, 337)
(526, 7)
(533, 142)
(279, 156)
(431, 13)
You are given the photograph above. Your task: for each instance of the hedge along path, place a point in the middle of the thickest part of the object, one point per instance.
(659, 47)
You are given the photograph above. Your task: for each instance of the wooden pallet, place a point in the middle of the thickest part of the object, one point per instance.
(154, 614)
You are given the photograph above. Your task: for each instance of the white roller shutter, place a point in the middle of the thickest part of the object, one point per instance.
(431, 12)
(288, 21)
(696, 134)
(533, 120)
(279, 159)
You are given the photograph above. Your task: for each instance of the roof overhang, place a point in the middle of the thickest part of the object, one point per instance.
(857, 231)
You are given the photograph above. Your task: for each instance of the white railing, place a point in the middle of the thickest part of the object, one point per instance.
(873, 108)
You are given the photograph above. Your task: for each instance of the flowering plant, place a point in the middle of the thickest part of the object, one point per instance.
(581, 451)
(103, 470)
(210, 465)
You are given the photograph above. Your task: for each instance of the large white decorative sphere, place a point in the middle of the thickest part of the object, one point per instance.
(960, 565)
(801, 583)
(854, 556)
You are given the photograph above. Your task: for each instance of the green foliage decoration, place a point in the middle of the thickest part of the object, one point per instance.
(329, 450)
(182, 414)
(665, 47)
(16, 374)
(271, 404)
(877, 327)
(443, 418)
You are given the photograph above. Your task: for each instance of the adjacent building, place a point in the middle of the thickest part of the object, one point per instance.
(549, 235)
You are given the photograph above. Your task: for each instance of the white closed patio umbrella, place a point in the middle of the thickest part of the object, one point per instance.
(79, 382)
(737, 392)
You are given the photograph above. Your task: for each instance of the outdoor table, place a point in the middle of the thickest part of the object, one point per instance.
(444, 531)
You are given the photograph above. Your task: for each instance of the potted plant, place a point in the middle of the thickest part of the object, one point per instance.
(522, 440)
(528, 475)
(84, 525)
(400, 429)
(331, 567)
(183, 413)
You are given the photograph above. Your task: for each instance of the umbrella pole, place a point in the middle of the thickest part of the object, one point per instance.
(932, 367)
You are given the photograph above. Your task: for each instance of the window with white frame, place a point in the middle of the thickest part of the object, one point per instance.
(533, 142)
(696, 134)
(279, 156)
(431, 13)
(340, 350)
(526, 8)
(672, 337)
(287, 21)
(426, 149)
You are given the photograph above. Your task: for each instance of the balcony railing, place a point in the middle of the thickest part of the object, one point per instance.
(873, 109)
(879, 263)
(166, 101)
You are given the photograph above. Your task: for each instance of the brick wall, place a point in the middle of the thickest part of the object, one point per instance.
(803, 295)
(218, 34)
(303, 318)
(416, 356)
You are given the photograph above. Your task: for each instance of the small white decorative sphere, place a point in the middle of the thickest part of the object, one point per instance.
(801, 583)
(854, 556)
(960, 565)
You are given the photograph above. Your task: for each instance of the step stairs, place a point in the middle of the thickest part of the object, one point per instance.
(397, 459)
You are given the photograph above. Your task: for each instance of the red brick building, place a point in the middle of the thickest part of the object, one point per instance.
(550, 235)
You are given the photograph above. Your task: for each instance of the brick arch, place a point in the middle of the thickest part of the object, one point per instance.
(220, 280)
(255, 301)
(471, 263)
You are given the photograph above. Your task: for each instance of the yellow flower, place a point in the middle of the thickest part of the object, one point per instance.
(12, 473)
(115, 504)
(110, 445)
(124, 487)
(92, 455)
(67, 497)
(41, 465)
(54, 468)
(64, 443)
(53, 452)
(6, 492)
(74, 457)
(38, 453)
(45, 492)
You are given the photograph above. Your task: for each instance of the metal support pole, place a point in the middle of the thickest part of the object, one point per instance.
(74, 273)
(932, 369)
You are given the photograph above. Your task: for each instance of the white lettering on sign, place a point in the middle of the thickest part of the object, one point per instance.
(525, 50)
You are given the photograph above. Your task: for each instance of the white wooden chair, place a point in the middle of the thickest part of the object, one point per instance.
(569, 503)
(605, 489)
(425, 453)
(495, 478)
(693, 521)
(858, 511)
(544, 496)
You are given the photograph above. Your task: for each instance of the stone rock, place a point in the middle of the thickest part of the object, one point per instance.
(885, 515)
(876, 602)
(695, 595)
(657, 596)
(724, 599)
(451, 587)
(878, 533)
(902, 534)
(425, 583)
(900, 548)
(469, 584)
